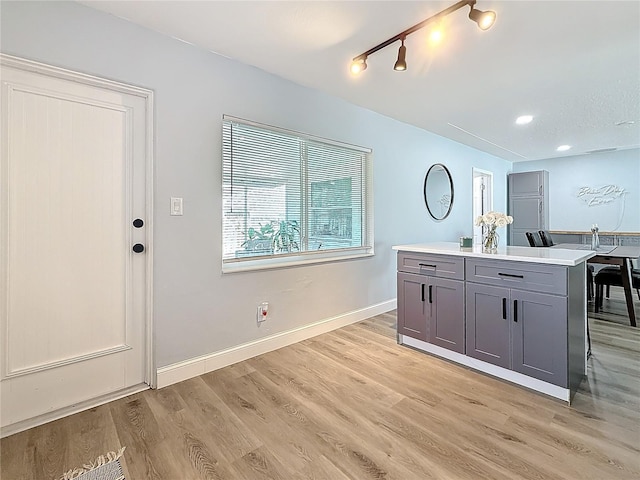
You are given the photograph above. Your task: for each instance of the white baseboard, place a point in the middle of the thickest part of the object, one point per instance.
(503, 373)
(178, 372)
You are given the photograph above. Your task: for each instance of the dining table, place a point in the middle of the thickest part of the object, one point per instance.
(620, 255)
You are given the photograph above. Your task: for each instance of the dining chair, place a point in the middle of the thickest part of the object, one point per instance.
(590, 289)
(545, 236)
(612, 276)
(534, 239)
(543, 239)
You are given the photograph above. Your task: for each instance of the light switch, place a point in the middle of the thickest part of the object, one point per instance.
(176, 206)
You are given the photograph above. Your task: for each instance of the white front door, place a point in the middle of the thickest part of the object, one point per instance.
(74, 177)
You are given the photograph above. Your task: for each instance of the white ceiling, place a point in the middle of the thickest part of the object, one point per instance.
(574, 65)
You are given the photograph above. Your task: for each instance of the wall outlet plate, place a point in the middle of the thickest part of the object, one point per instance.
(263, 312)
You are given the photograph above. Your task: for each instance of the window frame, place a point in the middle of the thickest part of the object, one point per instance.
(280, 260)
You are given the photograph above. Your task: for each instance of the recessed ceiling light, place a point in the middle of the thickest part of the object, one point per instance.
(563, 148)
(524, 119)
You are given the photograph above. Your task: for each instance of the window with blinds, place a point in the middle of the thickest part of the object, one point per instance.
(292, 197)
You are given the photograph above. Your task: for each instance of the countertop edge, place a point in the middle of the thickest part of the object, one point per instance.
(556, 256)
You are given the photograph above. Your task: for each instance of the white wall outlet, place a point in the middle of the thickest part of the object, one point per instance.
(263, 312)
(176, 206)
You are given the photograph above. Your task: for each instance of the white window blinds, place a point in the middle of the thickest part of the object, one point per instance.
(290, 194)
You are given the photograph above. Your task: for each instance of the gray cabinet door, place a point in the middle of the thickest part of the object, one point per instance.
(412, 307)
(446, 305)
(488, 324)
(527, 213)
(528, 205)
(539, 331)
(526, 183)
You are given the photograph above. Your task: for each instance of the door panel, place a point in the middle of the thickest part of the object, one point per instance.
(529, 183)
(527, 212)
(412, 309)
(67, 234)
(518, 237)
(73, 179)
(540, 336)
(488, 336)
(447, 314)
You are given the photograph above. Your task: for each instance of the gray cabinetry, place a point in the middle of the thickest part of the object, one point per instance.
(528, 184)
(514, 321)
(488, 326)
(446, 322)
(412, 309)
(528, 205)
(539, 336)
(523, 276)
(519, 316)
(431, 299)
(431, 265)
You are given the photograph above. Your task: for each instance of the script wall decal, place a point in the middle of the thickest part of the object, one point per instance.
(595, 196)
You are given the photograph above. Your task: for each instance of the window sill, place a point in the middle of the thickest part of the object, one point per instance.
(285, 261)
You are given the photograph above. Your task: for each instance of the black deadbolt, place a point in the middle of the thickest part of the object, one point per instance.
(138, 223)
(138, 248)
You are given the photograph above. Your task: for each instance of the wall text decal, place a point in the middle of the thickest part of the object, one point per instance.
(594, 196)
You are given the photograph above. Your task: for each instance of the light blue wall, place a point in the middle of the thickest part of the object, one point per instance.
(568, 175)
(197, 310)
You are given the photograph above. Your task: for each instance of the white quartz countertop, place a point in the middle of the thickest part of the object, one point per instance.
(550, 256)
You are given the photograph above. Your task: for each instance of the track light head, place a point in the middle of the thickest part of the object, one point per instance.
(485, 20)
(401, 62)
(358, 65)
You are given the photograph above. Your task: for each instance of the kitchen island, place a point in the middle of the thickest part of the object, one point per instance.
(518, 314)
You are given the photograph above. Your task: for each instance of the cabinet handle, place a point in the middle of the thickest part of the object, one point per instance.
(426, 265)
(422, 291)
(515, 311)
(510, 275)
(540, 189)
(504, 308)
(430, 293)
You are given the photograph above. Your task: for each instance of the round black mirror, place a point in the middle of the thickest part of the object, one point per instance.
(438, 191)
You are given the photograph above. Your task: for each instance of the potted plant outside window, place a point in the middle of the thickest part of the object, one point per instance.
(273, 237)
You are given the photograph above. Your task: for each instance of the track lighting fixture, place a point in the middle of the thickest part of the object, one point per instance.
(358, 65)
(484, 20)
(401, 63)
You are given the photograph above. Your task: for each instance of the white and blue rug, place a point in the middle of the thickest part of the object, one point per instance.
(105, 467)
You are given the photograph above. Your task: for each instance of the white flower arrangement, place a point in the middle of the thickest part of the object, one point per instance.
(492, 220)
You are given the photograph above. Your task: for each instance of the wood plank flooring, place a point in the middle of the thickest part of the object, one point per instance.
(352, 404)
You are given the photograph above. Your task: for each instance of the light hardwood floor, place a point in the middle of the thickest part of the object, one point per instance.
(352, 404)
